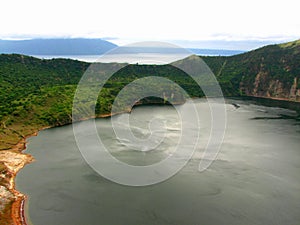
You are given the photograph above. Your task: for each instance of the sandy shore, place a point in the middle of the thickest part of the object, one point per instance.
(17, 211)
(12, 200)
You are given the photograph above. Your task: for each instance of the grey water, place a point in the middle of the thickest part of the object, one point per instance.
(255, 178)
(84, 58)
(95, 58)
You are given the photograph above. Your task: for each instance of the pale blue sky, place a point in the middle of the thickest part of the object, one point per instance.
(189, 21)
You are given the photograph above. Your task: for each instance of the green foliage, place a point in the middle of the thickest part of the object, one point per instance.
(40, 92)
(276, 62)
(22, 75)
(35, 93)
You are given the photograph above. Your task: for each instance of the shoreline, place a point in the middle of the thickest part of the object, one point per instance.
(16, 202)
(14, 160)
(274, 98)
(17, 211)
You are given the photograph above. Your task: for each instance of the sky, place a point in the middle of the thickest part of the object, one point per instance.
(190, 23)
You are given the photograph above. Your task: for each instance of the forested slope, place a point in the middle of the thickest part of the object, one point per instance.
(272, 71)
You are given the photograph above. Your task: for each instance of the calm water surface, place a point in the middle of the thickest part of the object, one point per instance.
(254, 180)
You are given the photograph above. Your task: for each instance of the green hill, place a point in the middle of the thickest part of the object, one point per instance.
(272, 71)
(36, 93)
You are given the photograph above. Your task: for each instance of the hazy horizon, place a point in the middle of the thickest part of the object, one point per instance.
(232, 45)
(214, 24)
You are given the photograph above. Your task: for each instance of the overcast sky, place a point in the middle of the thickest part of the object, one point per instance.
(136, 20)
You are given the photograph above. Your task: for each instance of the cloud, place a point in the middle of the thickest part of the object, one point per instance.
(155, 20)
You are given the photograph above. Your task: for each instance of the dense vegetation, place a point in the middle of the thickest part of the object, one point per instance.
(266, 72)
(37, 93)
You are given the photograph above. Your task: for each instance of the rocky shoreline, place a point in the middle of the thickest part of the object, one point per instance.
(13, 160)
(12, 201)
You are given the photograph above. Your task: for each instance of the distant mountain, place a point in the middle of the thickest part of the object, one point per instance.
(80, 46)
(237, 45)
(68, 46)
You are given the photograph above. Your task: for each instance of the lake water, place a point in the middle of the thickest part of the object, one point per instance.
(84, 58)
(255, 178)
(124, 58)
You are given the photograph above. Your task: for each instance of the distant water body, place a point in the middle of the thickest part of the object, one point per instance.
(254, 180)
(84, 58)
(94, 58)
